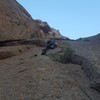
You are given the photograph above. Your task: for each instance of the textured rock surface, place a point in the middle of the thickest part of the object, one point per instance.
(91, 65)
(48, 31)
(16, 22)
(30, 77)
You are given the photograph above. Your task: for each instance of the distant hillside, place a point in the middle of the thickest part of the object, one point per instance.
(95, 38)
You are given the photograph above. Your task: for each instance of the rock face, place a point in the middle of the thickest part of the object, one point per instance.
(91, 64)
(16, 22)
(48, 31)
(31, 77)
(43, 25)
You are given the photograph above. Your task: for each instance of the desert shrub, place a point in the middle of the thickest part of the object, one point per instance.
(67, 56)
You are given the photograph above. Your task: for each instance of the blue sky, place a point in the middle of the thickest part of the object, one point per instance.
(73, 18)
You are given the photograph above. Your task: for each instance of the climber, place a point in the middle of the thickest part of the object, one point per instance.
(49, 45)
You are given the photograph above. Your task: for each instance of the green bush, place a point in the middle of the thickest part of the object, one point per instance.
(67, 56)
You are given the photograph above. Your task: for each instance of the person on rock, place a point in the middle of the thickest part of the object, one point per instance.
(49, 45)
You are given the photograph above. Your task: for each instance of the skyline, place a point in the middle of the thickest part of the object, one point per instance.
(73, 18)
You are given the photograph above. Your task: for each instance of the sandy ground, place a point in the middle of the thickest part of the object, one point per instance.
(31, 77)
